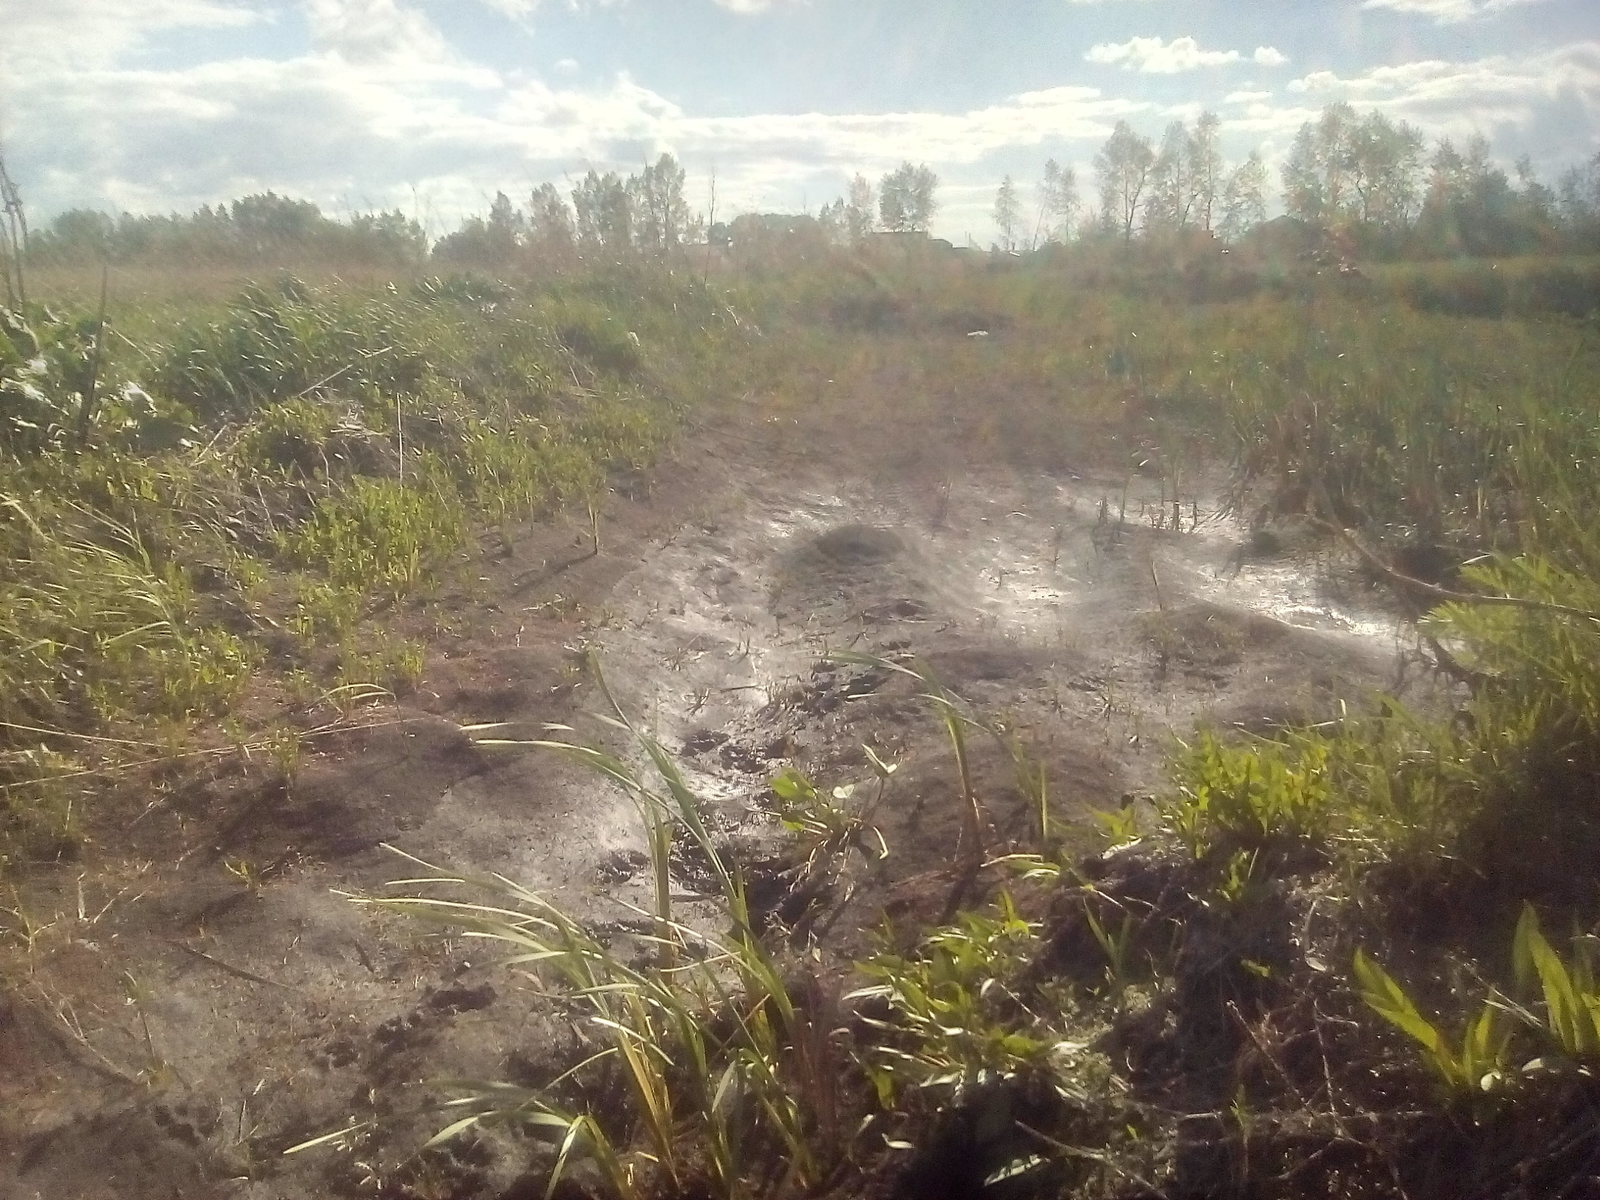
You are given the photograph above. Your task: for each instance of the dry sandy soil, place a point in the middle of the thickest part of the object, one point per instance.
(173, 1029)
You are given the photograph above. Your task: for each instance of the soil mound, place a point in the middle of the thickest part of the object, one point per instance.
(848, 546)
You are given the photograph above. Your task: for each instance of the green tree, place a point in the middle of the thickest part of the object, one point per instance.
(505, 228)
(1244, 197)
(77, 235)
(587, 201)
(1315, 175)
(660, 215)
(906, 198)
(1058, 201)
(603, 213)
(1537, 203)
(267, 224)
(1578, 204)
(1384, 161)
(1473, 207)
(1345, 169)
(389, 238)
(550, 229)
(1123, 167)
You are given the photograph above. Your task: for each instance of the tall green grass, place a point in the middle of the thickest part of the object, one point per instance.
(724, 1062)
(729, 1068)
(281, 462)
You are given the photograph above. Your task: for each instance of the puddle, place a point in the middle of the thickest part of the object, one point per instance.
(1296, 592)
(1025, 594)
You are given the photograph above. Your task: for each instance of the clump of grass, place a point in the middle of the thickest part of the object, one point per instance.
(726, 1070)
(1397, 425)
(379, 535)
(303, 455)
(287, 340)
(741, 1073)
(1551, 1027)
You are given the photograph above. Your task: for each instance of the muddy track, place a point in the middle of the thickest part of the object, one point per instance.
(254, 1017)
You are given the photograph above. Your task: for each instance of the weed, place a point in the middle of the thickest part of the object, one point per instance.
(1502, 1041)
(716, 1055)
(380, 534)
(954, 1026)
(827, 824)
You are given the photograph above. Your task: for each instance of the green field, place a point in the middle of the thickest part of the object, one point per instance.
(1350, 958)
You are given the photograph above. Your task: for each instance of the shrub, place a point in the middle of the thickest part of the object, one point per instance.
(282, 343)
(381, 534)
(1475, 289)
(1558, 288)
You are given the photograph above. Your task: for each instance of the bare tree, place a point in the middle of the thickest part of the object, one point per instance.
(16, 237)
(603, 213)
(1206, 171)
(1007, 213)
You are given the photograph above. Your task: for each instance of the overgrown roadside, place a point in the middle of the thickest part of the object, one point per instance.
(240, 498)
(908, 623)
(226, 593)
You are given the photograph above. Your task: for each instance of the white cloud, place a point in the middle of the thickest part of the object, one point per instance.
(1448, 12)
(1152, 56)
(1537, 99)
(89, 33)
(1572, 71)
(566, 66)
(380, 109)
(370, 32)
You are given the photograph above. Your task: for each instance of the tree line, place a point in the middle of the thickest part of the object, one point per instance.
(263, 228)
(1366, 176)
(605, 214)
(1373, 179)
(1379, 180)
(648, 213)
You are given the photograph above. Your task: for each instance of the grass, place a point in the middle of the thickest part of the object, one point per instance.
(1453, 443)
(280, 463)
(273, 466)
(743, 1069)
(725, 1068)
(1459, 464)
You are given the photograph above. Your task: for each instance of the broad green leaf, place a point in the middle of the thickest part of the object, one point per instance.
(1389, 1000)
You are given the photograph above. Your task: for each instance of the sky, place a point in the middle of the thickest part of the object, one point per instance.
(431, 106)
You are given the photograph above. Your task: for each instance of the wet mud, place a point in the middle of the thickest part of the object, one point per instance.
(175, 1028)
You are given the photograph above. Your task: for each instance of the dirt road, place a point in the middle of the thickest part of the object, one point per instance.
(177, 1023)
